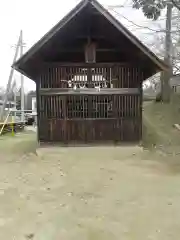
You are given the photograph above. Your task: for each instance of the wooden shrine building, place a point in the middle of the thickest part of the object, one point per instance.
(89, 71)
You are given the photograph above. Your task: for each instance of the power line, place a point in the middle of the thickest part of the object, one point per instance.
(140, 27)
(118, 6)
(174, 32)
(137, 25)
(113, 7)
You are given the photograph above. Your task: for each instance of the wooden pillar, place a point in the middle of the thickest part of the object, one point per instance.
(38, 109)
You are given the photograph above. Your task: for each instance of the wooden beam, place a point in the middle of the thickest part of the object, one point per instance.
(64, 50)
(87, 65)
(92, 36)
(89, 91)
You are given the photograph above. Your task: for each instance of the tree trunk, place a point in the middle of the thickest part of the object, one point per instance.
(165, 76)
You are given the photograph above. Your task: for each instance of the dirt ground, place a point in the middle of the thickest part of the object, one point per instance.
(85, 193)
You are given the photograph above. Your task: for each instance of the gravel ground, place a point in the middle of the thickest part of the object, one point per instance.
(85, 193)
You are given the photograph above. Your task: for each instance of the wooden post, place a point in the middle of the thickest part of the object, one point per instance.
(15, 99)
(22, 79)
(38, 107)
(12, 126)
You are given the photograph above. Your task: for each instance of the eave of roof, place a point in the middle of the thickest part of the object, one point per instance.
(161, 65)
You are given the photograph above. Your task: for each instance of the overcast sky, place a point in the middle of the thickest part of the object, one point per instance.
(35, 18)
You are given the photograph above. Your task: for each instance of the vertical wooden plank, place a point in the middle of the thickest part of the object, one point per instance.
(60, 106)
(61, 77)
(55, 107)
(125, 107)
(123, 76)
(127, 76)
(119, 106)
(120, 79)
(48, 78)
(41, 85)
(57, 82)
(58, 77)
(51, 130)
(43, 78)
(60, 135)
(52, 77)
(58, 110)
(130, 106)
(132, 78)
(141, 102)
(38, 111)
(65, 129)
(50, 107)
(40, 78)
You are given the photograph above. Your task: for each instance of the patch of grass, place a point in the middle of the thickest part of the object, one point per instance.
(158, 121)
(151, 137)
(19, 144)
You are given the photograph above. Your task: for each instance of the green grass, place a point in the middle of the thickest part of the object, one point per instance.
(19, 144)
(158, 121)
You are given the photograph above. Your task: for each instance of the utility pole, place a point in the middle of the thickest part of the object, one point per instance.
(9, 82)
(165, 76)
(22, 79)
(15, 99)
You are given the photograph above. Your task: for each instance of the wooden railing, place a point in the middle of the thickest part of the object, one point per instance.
(91, 76)
(89, 106)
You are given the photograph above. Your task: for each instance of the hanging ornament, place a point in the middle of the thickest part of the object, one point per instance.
(74, 87)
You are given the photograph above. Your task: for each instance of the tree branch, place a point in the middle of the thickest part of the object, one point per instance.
(175, 4)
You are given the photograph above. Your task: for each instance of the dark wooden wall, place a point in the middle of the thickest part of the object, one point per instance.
(55, 76)
(90, 115)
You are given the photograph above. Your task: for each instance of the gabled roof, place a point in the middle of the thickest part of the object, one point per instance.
(47, 37)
